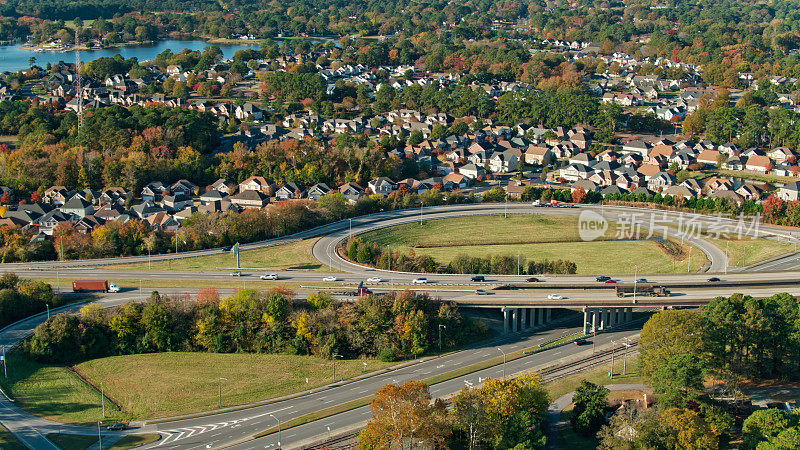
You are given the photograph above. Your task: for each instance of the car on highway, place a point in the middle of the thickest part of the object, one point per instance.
(641, 280)
(330, 278)
(481, 292)
(478, 278)
(532, 280)
(420, 280)
(374, 279)
(269, 276)
(602, 278)
(555, 297)
(227, 248)
(581, 341)
(119, 426)
(610, 282)
(236, 273)
(713, 279)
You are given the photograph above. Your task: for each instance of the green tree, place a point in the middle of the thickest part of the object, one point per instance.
(589, 413)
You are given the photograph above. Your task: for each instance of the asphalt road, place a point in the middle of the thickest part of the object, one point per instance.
(227, 427)
(320, 428)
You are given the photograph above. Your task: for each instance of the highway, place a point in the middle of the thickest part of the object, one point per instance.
(224, 428)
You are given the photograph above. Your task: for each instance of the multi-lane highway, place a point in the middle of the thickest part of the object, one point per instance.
(225, 428)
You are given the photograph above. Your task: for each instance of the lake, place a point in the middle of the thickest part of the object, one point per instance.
(14, 57)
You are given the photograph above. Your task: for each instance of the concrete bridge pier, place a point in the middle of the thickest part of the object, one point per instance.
(518, 319)
(601, 319)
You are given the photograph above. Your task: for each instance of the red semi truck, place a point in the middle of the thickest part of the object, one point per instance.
(94, 285)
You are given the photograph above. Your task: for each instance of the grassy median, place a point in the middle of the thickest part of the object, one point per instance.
(295, 255)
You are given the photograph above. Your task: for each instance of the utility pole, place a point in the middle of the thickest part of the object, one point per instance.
(279, 430)
(726, 256)
(504, 362)
(219, 390)
(334, 365)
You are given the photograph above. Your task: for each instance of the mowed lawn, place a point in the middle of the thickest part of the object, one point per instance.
(54, 392)
(743, 252)
(168, 384)
(296, 255)
(535, 237)
(477, 230)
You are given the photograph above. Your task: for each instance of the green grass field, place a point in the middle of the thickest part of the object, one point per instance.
(167, 384)
(8, 441)
(54, 392)
(296, 255)
(743, 252)
(78, 442)
(536, 237)
(482, 230)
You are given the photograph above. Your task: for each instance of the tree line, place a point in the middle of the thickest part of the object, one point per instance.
(390, 327)
(499, 414)
(23, 298)
(367, 252)
(732, 339)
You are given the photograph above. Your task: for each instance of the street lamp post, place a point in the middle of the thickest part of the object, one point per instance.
(350, 237)
(440, 336)
(99, 436)
(102, 400)
(504, 362)
(334, 365)
(389, 252)
(5, 372)
(279, 430)
(47, 305)
(635, 279)
(219, 389)
(517, 262)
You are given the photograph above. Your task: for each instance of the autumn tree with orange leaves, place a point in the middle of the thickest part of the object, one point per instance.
(403, 416)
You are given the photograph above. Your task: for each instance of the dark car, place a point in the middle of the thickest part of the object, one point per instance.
(116, 427)
(602, 278)
(532, 280)
(713, 279)
(227, 248)
(581, 341)
(478, 278)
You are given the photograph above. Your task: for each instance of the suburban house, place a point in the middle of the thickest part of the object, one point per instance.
(790, 192)
(257, 184)
(382, 185)
(351, 191)
(288, 191)
(249, 198)
(318, 190)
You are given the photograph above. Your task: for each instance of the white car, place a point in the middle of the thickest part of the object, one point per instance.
(555, 297)
(420, 280)
(236, 274)
(330, 278)
(269, 276)
(374, 280)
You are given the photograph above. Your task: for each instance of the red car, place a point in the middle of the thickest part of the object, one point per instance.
(532, 280)
(609, 282)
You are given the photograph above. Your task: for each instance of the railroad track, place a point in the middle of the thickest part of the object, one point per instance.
(552, 373)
